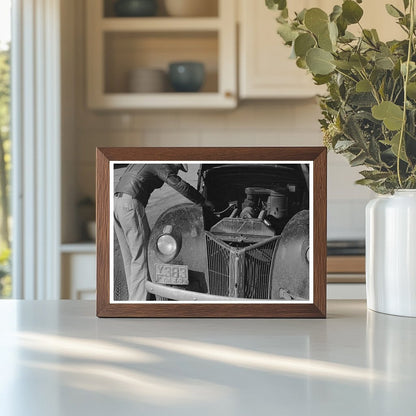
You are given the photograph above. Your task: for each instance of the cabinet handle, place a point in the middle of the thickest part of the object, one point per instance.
(229, 94)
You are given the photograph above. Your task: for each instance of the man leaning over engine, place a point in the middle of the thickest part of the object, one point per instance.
(130, 222)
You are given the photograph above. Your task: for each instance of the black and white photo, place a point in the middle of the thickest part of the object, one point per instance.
(192, 231)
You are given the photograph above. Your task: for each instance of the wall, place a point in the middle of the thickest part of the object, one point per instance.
(254, 123)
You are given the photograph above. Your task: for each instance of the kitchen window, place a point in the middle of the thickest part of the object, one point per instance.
(5, 149)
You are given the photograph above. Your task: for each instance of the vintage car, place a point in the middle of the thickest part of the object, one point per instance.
(255, 245)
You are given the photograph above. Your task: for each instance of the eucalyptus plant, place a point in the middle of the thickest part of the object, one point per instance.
(369, 111)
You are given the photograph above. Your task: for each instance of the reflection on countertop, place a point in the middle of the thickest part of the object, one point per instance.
(355, 362)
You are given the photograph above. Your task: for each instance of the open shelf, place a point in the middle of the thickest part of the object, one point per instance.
(119, 45)
(210, 10)
(168, 100)
(126, 51)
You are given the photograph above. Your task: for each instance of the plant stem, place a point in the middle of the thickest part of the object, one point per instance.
(406, 80)
(346, 75)
(373, 88)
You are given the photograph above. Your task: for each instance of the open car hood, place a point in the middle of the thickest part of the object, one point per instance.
(224, 178)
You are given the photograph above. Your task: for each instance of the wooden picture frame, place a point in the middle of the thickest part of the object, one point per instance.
(312, 306)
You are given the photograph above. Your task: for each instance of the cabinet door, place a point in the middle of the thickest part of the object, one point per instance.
(376, 17)
(266, 71)
(78, 276)
(265, 68)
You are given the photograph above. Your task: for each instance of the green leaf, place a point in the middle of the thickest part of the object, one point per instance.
(393, 11)
(343, 145)
(362, 99)
(365, 182)
(301, 63)
(384, 62)
(303, 43)
(301, 15)
(375, 35)
(351, 11)
(333, 32)
(368, 36)
(344, 65)
(280, 19)
(394, 143)
(374, 150)
(412, 67)
(374, 174)
(354, 132)
(316, 20)
(406, 4)
(358, 61)
(287, 33)
(325, 42)
(347, 37)
(319, 61)
(363, 86)
(276, 4)
(388, 112)
(342, 25)
(321, 79)
(358, 160)
(382, 89)
(336, 12)
(411, 90)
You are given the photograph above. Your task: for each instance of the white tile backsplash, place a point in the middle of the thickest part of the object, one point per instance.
(346, 219)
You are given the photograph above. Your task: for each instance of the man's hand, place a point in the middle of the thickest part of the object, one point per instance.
(208, 205)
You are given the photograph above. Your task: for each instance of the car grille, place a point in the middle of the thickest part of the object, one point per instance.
(243, 272)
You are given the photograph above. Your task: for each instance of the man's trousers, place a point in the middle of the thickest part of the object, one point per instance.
(132, 230)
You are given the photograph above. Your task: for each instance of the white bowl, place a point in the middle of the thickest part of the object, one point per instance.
(191, 8)
(147, 80)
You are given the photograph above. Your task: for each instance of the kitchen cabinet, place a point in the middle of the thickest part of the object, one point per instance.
(118, 45)
(78, 262)
(265, 70)
(346, 277)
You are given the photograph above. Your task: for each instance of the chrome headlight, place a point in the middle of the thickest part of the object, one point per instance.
(167, 245)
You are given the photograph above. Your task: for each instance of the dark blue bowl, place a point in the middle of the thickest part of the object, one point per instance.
(186, 76)
(135, 8)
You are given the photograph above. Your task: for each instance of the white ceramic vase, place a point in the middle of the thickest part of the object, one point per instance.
(391, 253)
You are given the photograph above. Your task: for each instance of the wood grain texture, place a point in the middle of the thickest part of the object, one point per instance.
(264, 309)
(346, 264)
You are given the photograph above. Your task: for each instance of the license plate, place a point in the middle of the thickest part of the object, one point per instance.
(171, 274)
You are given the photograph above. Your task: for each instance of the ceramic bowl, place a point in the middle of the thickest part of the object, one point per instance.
(135, 8)
(191, 8)
(186, 76)
(147, 80)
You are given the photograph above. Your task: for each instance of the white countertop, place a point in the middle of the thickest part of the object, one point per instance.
(57, 358)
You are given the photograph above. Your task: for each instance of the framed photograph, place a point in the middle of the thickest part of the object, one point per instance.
(211, 232)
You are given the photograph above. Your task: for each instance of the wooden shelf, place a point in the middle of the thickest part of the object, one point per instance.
(346, 264)
(117, 45)
(160, 24)
(197, 100)
(346, 269)
(84, 247)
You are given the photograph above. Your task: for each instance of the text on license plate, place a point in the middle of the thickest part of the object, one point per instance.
(171, 274)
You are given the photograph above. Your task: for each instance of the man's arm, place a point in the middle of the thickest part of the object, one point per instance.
(177, 183)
